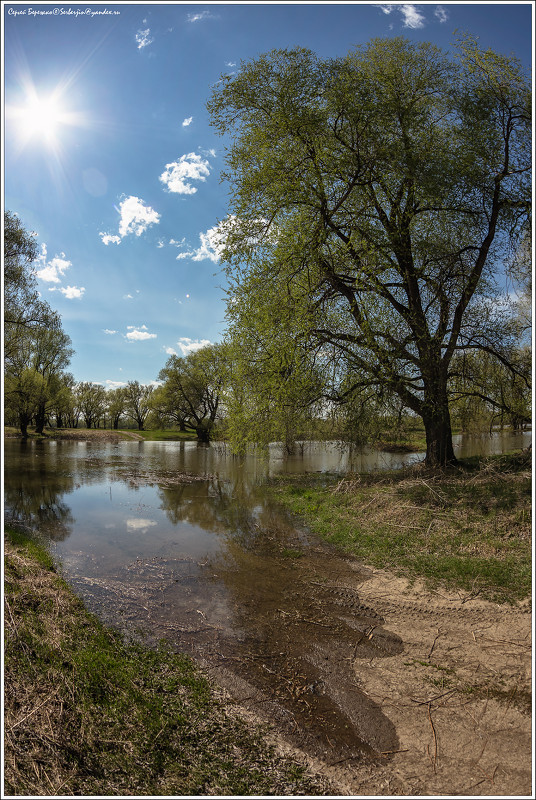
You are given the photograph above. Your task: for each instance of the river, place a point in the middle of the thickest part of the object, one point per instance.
(178, 541)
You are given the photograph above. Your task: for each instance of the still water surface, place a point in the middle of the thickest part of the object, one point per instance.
(181, 542)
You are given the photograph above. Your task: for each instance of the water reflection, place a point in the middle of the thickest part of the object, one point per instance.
(34, 489)
(180, 541)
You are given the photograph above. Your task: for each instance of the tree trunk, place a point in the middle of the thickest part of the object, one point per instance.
(436, 418)
(203, 432)
(24, 419)
(40, 419)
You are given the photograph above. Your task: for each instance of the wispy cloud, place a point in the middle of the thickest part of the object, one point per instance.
(411, 15)
(441, 14)
(200, 16)
(186, 122)
(109, 332)
(212, 243)
(144, 38)
(135, 217)
(178, 174)
(138, 333)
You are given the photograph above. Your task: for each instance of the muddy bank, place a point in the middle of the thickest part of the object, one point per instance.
(79, 434)
(382, 688)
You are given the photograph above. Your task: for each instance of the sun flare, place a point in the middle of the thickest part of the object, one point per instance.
(41, 117)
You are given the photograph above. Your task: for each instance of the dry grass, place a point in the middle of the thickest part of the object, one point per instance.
(468, 527)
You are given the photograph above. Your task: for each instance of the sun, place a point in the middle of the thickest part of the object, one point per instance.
(41, 117)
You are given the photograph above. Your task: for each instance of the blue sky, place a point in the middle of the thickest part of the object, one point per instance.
(109, 156)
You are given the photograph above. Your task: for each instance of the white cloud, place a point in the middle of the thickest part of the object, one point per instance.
(73, 292)
(128, 297)
(108, 332)
(138, 333)
(114, 384)
(412, 17)
(441, 14)
(108, 238)
(143, 38)
(178, 173)
(211, 247)
(52, 271)
(187, 345)
(170, 351)
(199, 17)
(187, 121)
(135, 218)
(140, 524)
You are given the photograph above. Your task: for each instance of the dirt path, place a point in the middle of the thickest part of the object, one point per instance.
(456, 694)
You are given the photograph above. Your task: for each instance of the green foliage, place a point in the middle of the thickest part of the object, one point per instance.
(90, 399)
(36, 349)
(138, 401)
(372, 197)
(192, 389)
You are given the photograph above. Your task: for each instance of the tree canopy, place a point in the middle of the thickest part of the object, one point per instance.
(192, 389)
(375, 200)
(36, 349)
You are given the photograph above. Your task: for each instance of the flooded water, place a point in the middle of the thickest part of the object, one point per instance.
(179, 542)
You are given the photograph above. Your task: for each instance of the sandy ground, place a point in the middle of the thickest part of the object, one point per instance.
(457, 695)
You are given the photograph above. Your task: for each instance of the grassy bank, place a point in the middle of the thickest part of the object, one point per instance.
(166, 436)
(468, 528)
(88, 714)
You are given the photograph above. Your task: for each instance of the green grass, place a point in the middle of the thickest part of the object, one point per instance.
(87, 713)
(165, 436)
(469, 528)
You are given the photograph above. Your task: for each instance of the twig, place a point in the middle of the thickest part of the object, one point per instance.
(439, 632)
(435, 737)
(432, 699)
(507, 641)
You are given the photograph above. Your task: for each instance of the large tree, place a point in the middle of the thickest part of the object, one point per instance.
(193, 386)
(138, 401)
(376, 198)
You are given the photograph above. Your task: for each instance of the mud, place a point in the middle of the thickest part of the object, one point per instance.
(383, 688)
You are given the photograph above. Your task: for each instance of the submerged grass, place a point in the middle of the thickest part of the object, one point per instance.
(88, 714)
(465, 528)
